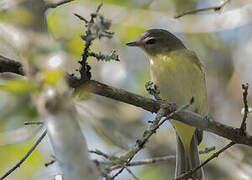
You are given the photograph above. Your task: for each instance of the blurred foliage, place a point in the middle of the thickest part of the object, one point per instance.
(10, 153)
(151, 172)
(30, 35)
(18, 15)
(18, 86)
(129, 33)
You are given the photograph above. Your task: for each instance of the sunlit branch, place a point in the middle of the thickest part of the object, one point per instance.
(214, 8)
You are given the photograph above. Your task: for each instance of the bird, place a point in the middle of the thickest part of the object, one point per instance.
(180, 76)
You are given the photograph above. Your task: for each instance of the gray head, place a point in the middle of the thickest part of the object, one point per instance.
(156, 41)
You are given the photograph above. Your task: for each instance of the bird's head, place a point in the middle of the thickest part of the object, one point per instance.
(157, 41)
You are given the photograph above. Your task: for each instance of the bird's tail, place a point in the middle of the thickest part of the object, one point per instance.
(187, 158)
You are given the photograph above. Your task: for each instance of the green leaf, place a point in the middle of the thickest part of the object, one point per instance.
(18, 86)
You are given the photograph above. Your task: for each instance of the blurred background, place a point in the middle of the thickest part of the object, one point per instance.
(31, 35)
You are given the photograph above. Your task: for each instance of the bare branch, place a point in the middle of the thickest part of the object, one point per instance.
(9, 65)
(25, 156)
(246, 108)
(158, 159)
(81, 18)
(132, 174)
(50, 163)
(99, 7)
(33, 123)
(148, 133)
(145, 161)
(215, 155)
(151, 105)
(214, 8)
(207, 150)
(106, 156)
(55, 5)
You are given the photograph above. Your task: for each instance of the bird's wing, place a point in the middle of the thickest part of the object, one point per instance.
(195, 59)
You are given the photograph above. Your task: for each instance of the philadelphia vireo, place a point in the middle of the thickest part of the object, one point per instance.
(180, 76)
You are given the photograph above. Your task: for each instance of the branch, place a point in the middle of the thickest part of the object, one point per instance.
(149, 132)
(55, 5)
(33, 123)
(132, 174)
(215, 155)
(97, 27)
(246, 108)
(214, 8)
(153, 106)
(8, 65)
(101, 57)
(112, 158)
(50, 163)
(207, 150)
(145, 161)
(158, 159)
(25, 156)
(106, 156)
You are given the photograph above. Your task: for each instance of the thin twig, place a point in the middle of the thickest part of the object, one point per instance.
(102, 57)
(132, 174)
(214, 8)
(207, 150)
(55, 5)
(158, 159)
(246, 108)
(50, 163)
(214, 155)
(33, 123)
(145, 161)
(89, 37)
(25, 156)
(81, 18)
(148, 133)
(106, 156)
(99, 7)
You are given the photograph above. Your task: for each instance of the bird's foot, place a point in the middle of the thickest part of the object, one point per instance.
(207, 117)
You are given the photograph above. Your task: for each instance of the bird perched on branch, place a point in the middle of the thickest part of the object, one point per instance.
(179, 75)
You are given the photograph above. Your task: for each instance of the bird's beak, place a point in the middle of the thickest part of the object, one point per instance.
(133, 43)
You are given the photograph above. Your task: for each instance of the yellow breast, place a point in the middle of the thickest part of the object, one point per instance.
(180, 77)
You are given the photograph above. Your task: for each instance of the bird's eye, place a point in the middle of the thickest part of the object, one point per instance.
(151, 41)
